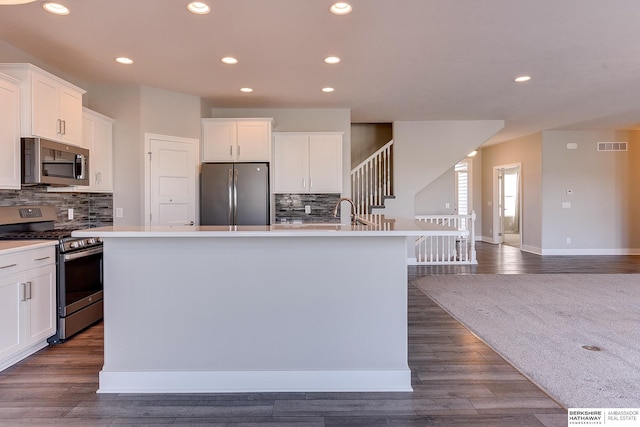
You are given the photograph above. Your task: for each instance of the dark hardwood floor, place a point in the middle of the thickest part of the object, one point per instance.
(457, 379)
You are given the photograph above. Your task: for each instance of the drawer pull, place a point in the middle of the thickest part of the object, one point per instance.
(42, 259)
(23, 291)
(8, 266)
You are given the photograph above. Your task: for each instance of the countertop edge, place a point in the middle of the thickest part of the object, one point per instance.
(12, 246)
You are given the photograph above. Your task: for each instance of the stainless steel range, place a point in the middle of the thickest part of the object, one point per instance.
(78, 265)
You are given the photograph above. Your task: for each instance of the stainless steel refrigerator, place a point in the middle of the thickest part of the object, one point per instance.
(234, 194)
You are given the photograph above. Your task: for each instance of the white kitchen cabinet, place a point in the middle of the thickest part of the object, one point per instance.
(97, 137)
(9, 132)
(27, 302)
(51, 107)
(307, 162)
(236, 140)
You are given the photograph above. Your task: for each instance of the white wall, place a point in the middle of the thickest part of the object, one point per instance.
(424, 150)
(605, 204)
(138, 110)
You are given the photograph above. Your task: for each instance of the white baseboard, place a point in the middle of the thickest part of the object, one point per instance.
(22, 354)
(255, 381)
(619, 251)
(531, 249)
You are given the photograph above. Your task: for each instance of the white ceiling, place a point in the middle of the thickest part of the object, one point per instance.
(401, 59)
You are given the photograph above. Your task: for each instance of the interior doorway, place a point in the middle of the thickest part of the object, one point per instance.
(507, 201)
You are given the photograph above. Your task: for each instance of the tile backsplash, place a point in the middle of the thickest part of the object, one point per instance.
(290, 207)
(89, 209)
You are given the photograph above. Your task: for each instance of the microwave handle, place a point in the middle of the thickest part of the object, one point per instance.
(83, 161)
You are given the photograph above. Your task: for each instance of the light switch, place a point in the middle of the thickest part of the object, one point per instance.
(307, 209)
(566, 205)
(70, 213)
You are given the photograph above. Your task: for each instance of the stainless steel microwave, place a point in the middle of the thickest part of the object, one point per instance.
(53, 163)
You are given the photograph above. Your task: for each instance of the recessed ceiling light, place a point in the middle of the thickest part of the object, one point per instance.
(246, 90)
(198, 7)
(341, 8)
(55, 8)
(229, 60)
(522, 79)
(327, 89)
(332, 60)
(473, 153)
(124, 60)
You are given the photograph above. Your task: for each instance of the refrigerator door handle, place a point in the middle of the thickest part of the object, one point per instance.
(230, 188)
(235, 196)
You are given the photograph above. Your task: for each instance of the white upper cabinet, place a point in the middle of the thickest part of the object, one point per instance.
(97, 137)
(236, 140)
(307, 162)
(9, 133)
(51, 107)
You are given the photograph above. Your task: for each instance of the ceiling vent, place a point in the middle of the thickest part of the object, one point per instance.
(612, 146)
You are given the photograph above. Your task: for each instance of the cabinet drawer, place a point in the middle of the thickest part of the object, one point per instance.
(38, 257)
(13, 263)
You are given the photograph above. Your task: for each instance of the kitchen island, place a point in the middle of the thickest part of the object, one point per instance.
(300, 307)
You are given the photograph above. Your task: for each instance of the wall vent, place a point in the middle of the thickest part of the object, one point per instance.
(612, 146)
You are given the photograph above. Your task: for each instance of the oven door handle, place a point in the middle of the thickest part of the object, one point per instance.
(81, 254)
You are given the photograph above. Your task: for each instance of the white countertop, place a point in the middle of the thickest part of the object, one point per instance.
(375, 225)
(10, 246)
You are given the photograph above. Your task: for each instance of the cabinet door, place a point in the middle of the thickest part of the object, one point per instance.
(10, 304)
(218, 141)
(97, 137)
(9, 134)
(41, 312)
(45, 104)
(291, 165)
(254, 141)
(102, 160)
(325, 163)
(70, 115)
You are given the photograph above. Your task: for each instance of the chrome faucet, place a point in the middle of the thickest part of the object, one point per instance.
(354, 211)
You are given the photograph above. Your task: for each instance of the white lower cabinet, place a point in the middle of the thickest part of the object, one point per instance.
(27, 303)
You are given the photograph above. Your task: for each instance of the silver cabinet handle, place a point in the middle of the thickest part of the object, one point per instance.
(64, 127)
(28, 288)
(230, 188)
(310, 182)
(58, 126)
(42, 259)
(304, 183)
(231, 150)
(8, 266)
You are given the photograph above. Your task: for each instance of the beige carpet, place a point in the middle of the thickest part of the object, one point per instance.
(539, 323)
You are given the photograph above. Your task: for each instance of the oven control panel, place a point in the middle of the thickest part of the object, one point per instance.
(30, 213)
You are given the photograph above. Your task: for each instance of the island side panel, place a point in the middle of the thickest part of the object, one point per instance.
(268, 305)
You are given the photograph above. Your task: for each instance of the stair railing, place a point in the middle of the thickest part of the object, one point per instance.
(458, 247)
(371, 180)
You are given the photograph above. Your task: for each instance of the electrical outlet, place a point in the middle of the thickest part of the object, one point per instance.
(568, 240)
(70, 213)
(119, 213)
(307, 209)
(447, 205)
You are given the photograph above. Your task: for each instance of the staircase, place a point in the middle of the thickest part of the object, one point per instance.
(372, 184)
(371, 180)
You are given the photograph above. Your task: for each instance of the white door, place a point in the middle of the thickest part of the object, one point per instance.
(171, 185)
